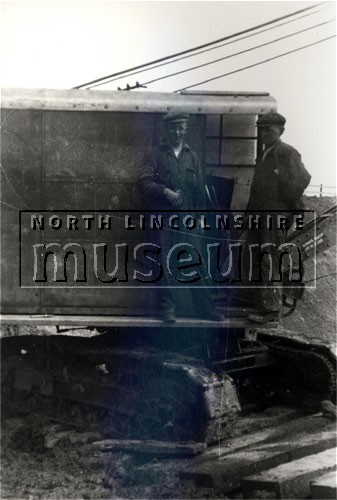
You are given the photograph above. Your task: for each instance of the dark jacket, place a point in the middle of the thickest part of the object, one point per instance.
(279, 180)
(162, 169)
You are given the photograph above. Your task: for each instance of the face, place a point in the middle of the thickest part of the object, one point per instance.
(176, 132)
(270, 134)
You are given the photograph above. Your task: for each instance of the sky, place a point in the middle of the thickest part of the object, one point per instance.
(61, 44)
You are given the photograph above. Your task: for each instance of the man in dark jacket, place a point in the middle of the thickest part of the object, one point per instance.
(279, 181)
(171, 179)
(171, 175)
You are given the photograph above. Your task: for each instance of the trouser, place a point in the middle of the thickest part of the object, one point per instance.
(262, 266)
(166, 296)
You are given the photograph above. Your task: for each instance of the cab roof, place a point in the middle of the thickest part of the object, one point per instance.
(195, 102)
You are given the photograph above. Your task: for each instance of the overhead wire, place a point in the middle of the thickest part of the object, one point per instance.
(256, 64)
(128, 74)
(236, 53)
(200, 46)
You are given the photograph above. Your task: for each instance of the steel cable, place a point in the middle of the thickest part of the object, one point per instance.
(200, 46)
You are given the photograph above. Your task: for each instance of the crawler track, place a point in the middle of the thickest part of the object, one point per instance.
(307, 369)
(150, 393)
(124, 393)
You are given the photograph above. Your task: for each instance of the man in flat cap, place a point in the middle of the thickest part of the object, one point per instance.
(171, 179)
(279, 181)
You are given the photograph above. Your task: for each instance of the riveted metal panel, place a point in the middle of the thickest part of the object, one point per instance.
(57, 158)
(239, 126)
(213, 125)
(238, 151)
(213, 151)
(21, 150)
(95, 147)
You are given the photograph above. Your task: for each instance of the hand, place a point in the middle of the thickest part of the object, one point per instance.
(276, 171)
(174, 198)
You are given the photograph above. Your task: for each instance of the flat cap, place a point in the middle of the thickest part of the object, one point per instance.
(270, 119)
(175, 116)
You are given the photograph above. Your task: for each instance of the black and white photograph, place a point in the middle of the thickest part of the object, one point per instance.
(168, 250)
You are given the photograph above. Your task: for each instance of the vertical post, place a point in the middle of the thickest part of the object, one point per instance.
(320, 190)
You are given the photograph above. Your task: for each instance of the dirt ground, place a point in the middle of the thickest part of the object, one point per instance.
(314, 317)
(319, 203)
(42, 460)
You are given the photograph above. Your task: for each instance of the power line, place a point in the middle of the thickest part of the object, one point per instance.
(237, 53)
(256, 64)
(199, 46)
(205, 50)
